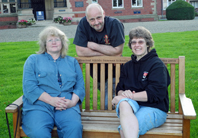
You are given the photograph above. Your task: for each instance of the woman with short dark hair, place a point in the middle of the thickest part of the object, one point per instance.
(142, 95)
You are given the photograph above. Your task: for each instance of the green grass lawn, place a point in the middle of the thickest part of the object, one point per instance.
(168, 45)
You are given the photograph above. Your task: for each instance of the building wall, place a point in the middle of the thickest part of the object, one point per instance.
(126, 14)
(8, 21)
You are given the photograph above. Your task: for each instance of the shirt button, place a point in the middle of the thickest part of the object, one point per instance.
(60, 75)
(39, 75)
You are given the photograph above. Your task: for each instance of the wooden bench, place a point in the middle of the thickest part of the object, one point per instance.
(100, 123)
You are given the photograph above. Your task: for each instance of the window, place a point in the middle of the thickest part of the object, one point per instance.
(12, 8)
(94, 1)
(194, 4)
(7, 6)
(166, 3)
(60, 3)
(118, 3)
(136, 3)
(24, 4)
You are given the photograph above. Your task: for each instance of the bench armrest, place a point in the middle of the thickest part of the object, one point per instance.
(13, 108)
(187, 107)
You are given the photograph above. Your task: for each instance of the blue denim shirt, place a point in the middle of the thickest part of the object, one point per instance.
(40, 75)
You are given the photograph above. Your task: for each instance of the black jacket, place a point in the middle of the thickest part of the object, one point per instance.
(149, 74)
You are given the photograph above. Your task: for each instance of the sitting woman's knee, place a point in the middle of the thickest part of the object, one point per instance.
(125, 106)
(39, 133)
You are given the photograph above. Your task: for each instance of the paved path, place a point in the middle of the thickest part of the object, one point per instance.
(31, 33)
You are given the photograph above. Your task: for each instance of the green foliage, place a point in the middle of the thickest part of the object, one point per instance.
(168, 45)
(180, 10)
(58, 19)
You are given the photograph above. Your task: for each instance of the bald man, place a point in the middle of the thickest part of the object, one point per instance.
(99, 35)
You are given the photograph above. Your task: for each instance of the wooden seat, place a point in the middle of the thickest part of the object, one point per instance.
(100, 123)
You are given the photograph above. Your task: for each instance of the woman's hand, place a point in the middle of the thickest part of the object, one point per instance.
(116, 99)
(59, 103)
(128, 94)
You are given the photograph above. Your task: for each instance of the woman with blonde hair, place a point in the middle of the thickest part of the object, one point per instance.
(53, 89)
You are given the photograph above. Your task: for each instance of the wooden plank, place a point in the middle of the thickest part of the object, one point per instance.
(174, 116)
(99, 119)
(170, 60)
(115, 59)
(187, 107)
(87, 87)
(95, 85)
(101, 122)
(110, 114)
(81, 66)
(117, 73)
(103, 59)
(102, 86)
(186, 128)
(172, 89)
(100, 128)
(15, 123)
(159, 136)
(110, 85)
(181, 74)
(88, 134)
(13, 108)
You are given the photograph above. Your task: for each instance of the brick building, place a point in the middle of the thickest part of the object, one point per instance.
(125, 10)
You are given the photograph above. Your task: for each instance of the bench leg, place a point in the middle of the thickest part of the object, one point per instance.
(18, 125)
(186, 128)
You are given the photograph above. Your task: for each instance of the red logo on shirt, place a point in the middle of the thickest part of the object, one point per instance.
(106, 39)
(145, 74)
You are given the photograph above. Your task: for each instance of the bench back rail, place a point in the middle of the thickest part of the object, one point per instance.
(91, 98)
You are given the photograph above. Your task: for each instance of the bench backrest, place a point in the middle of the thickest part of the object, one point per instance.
(94, 100)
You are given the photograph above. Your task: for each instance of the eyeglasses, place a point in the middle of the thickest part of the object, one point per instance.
(55, 40)
(140, 42)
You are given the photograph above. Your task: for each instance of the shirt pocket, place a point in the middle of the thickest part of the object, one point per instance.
(41, 74)
(69, 81)
(42, 78)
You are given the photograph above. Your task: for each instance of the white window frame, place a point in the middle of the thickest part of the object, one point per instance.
(94, 1)
(194, 4)
(8, 6)
(134, 6)
(168, 3)
(117, 4)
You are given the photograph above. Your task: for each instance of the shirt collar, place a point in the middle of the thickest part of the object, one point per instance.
(50, 57)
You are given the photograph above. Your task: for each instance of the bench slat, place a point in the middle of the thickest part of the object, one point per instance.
(102, 86)
(110, 86)
(95, 86)
(172, 87)
(87, 88)
(117, 73)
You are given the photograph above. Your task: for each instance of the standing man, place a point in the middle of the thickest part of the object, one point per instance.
(99, 35)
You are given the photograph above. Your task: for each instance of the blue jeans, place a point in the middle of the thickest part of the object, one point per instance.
(39, 124)
(147, 117)
(106, 92)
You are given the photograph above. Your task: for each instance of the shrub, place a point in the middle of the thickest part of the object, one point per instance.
(31, 21)
(180, 10)
(58, 19)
